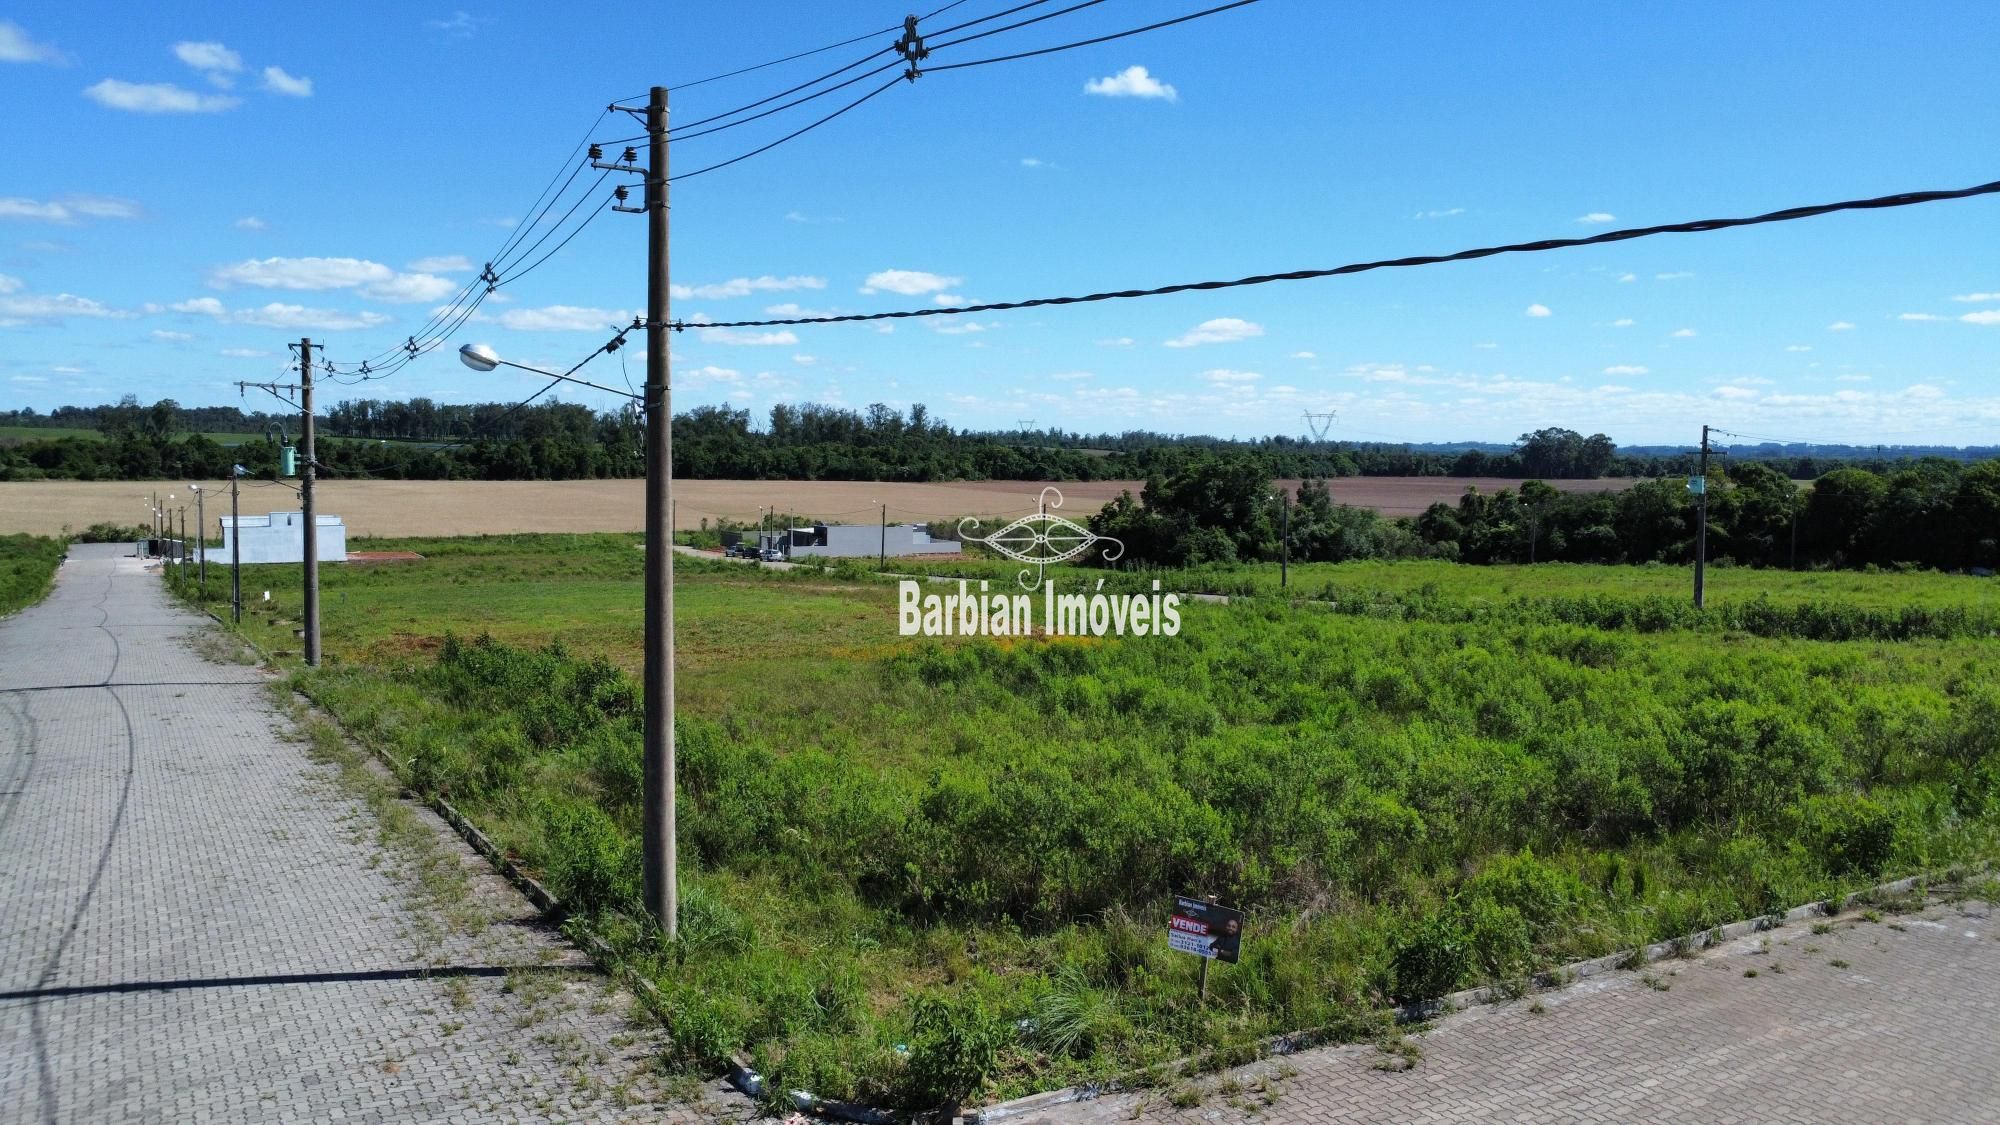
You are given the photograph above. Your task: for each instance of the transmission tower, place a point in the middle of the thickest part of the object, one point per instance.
(1320, 422)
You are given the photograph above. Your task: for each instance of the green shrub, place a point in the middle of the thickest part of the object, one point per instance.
(1432, 959)
(954, 1044)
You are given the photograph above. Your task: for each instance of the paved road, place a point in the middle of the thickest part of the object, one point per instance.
(198, 924)
(1905, 1028)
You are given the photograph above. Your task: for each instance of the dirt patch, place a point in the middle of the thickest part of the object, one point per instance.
(470, 507)
(365, 557)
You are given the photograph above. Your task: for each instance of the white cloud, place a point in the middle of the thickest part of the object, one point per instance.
(461, 25)
(294, 317)
(448, 263)
(910, 283)
(9, 284)
(301, 273)
(59, 307)
(251, 222)
(1798, 347)
(1132, 82)
(172, 337)
(1983, 316)
(790, 310)
(1223, 377)
(708, 374)
(1445, 213)
(1538, 311)
(1623, 322)
(564, 318)
(209, 56)
(16, 46)
(1035, 162)
(1735, 394)
(1627, 369)
(278, 82)
(1117, 342)
(1623, 277)
(802, 217)
(40, 379)
(205, 306)
(1222, 330)
(1303, 355)
(802, 361)
(1977, 297)
(1596, 217)
(1840, 326)
(1685, 334)
(748, 339)
(743, 287)
(408, 288)
(243, 353)
(156, 97)
(962, 327)
(946, 300)
(68, 208)
(1677, 275)
(1921, 316)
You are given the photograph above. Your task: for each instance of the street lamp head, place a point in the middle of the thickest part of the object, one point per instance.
(479, 357)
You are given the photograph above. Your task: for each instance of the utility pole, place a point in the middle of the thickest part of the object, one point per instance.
(306, 474)
(1701, 524)
(201, 525)
(883, 562)
(235, 547)
(661, 859)
(181, 556)
(1285, 542)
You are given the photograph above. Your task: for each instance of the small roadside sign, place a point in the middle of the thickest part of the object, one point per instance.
(1697, 485)
(1205, 929)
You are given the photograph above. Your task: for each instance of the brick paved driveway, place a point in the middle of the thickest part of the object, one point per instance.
(196, 924)
(1894, 1020)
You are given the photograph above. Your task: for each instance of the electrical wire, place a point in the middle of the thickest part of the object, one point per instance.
(805, 54)
(587, 220)
(612, 344)
(1085, 42)
(789, 136)
(862, 77)
(1010, 27)
(983, 19)
(1699, 226)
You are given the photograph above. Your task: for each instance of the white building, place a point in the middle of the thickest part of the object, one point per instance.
(280, 538)
(861, 540)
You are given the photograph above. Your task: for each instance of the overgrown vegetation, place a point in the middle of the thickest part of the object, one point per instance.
(922, 872)
(27, 566)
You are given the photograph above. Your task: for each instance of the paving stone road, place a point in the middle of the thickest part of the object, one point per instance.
(198, 923)
(1891, 1020)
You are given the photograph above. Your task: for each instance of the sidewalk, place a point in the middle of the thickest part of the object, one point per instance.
(201, 923)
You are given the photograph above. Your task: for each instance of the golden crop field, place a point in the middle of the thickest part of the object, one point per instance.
(422, 507)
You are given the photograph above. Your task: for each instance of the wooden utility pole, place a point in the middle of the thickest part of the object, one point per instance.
(307, 471)
(1701, 522)
(662, 877)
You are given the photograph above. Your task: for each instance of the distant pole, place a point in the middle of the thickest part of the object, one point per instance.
(883, 562)
(662, 889)
(182, 554)
(1701, 525)
(1285, 542)
(201, 525)
(307, 472)
(235, 550)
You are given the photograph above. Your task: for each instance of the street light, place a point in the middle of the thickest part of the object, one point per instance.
(662, 890)
(481, 357)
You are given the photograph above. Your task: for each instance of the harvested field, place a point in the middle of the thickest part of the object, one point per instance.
(418, 508)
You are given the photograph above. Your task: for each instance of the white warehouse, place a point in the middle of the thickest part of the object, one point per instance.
(280, 538)
(855, 541)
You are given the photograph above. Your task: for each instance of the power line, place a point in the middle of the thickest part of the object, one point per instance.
(1010, 27)
(1904, 199)
(1085, 42)
(587, 220)
(789, 136)
(891, 30)
(862, 77)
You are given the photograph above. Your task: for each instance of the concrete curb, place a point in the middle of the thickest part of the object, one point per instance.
(1293, 1042)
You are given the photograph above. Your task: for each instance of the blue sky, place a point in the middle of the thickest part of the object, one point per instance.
(172, 169)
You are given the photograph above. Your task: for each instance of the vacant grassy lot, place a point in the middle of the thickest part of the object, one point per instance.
(919, 871)
(27, 564)
(412, 508)
(15, 435)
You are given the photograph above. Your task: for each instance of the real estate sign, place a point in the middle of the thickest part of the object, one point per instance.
(1205, 929)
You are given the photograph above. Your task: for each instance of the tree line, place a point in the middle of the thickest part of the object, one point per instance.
(1935, 512)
